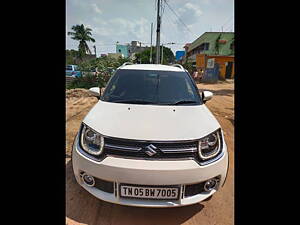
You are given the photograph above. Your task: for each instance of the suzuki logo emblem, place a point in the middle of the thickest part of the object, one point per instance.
(151, 150)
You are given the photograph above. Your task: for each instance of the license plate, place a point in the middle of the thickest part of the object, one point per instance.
(149, 192)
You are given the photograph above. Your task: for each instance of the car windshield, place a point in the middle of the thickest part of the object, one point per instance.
(151, 87)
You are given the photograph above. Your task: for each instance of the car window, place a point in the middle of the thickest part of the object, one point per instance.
(156, 87)
(69, 68)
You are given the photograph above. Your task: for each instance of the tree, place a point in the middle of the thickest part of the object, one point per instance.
(82, 34)
(189, 66)
(144, 56)
(217, 45)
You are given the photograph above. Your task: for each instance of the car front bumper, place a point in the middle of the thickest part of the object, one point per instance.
(148, 172)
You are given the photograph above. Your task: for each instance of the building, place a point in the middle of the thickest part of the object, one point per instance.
(123, 49)
(211, 43)
(225, 64)
(135, 47)
(130, 49)
(186, 47)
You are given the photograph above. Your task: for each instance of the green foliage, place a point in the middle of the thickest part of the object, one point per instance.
(189, 67)
(104, 66)
(217, 45)
(87, 82)
(82, 34)
(232, 49)
(144, 56)
(71, 56)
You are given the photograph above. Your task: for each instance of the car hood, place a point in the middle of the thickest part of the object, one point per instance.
(151, 122)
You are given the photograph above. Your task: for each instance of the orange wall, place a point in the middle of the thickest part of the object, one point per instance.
(221, 60)
(201, 60)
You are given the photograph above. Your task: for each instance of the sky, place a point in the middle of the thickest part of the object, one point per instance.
(130, 20)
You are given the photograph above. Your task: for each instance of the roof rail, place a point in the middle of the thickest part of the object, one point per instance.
(127, 63)
(179, 66)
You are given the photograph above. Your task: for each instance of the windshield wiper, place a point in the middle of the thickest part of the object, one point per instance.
(134, 101)
(182, 102)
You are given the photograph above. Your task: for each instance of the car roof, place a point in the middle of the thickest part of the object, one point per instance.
(151, 67)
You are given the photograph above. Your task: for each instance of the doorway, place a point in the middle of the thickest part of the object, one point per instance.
(228, 70)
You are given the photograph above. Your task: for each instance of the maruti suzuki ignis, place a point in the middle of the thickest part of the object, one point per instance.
(150, 140)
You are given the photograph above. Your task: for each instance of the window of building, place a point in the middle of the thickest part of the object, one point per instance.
(204, 46)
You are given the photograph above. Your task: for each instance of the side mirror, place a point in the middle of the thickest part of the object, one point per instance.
(206, 95)
(95, 91)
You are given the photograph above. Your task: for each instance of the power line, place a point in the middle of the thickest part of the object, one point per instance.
(162, 9)
(179, 18)
(170, 21)
(227, 21)
(230, 26)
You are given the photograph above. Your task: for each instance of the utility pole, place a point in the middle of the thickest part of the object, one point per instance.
(151, 44)
(162, 53)
(141, 51)
(158, 33)
(95, 50)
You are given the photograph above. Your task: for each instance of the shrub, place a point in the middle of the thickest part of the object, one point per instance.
(103, 65)
(86, 82)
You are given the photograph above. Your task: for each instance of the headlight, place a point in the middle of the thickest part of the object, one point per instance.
(91, 141)
(210, 145)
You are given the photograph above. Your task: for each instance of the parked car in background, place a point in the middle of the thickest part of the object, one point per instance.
(72, 70)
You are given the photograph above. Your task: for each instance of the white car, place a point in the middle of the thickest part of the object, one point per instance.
(150, 141)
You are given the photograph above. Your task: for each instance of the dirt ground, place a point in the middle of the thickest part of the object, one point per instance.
(83, 208)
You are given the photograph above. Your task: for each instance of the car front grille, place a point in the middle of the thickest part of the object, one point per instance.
(150, 150)
(161, 150)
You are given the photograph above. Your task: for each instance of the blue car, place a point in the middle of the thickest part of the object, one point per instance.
(72, 70)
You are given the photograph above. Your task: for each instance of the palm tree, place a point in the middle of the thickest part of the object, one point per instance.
(82, 34)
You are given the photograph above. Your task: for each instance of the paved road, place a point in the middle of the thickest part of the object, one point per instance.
(83, 208)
